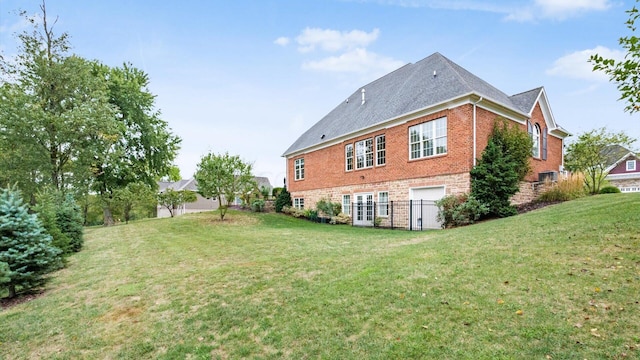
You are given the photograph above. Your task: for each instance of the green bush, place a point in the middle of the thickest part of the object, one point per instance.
(47, 209)
(328, 208)
(460, 210)
(257, 205)
(283, 199)
(276, 191)
(311, 214)
(609, 190)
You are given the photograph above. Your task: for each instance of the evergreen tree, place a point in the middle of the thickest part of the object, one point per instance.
(24, 245)
(283, 199)
(69, 220)
(504, 163)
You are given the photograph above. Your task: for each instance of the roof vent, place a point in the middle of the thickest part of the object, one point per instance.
(322, 137)
(363, 97)
(434, 73)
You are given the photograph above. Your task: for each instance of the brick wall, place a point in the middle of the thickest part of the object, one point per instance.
(326, 176)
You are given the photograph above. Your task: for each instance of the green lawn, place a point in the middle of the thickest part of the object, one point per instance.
(562, 282)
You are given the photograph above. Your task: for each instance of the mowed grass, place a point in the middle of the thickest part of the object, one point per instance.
(561, 282)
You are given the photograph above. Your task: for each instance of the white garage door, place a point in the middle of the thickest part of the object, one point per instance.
(425, 211)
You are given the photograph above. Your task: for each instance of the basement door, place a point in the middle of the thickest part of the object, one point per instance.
(424, 210)
(363, 210)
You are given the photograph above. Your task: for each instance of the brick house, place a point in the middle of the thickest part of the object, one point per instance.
(414, 134)
(623, 171)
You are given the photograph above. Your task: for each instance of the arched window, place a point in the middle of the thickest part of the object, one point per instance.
(535, 137)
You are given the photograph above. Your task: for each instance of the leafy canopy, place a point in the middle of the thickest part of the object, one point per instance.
(224, 177)
(591, 155)
(625, 73)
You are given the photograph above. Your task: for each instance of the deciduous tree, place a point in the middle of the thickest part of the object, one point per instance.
(224, 177)
(588, 155)
(172, 199)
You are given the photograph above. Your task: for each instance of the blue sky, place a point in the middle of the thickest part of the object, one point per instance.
(248, 77)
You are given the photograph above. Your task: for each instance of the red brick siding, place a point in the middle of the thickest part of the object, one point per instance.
(325, 168)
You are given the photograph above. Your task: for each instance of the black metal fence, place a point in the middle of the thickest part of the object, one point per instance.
(410, 214)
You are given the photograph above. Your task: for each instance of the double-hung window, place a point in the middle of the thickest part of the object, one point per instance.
(346, 204)
(381, 152)
(299, 169)
(383, 203)
(364, 154)
(428, 139)
(348, 154)
(535, 137)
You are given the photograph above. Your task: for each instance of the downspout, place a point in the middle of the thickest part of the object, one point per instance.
(474, 131)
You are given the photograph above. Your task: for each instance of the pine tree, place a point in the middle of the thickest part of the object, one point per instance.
(69, 220)
(283, 199)
(24, 245)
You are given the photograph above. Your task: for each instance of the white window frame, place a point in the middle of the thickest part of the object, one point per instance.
(298, 203)
(535, 138)
(631, 165)
(430, 131)
(348, 155)
(364, 153)
(299, 169)
(383, 206)
(346, 204)
(381, 150)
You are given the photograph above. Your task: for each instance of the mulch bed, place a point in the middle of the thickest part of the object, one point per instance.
(534, 205)
(6, 303)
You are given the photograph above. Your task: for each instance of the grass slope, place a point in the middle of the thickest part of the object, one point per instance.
(562, 282)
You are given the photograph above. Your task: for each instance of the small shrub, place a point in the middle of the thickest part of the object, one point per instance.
(461, 210)
(311, 214)
(341, 218)
(609, 190)
(257, 205)
(328, 208)
(276, 191)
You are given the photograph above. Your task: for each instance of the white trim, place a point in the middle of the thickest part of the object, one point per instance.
(630, 168)
(627, 176)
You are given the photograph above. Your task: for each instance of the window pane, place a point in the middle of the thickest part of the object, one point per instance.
(381, 152)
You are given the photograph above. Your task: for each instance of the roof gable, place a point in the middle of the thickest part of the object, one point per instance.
(615, 154)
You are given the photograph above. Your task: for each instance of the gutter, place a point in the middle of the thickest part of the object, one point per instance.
(474, 131)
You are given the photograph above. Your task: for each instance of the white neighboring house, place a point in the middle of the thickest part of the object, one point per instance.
(202, 203)
(623, 171)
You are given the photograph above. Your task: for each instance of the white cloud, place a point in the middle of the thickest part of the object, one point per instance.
(355, 61)
(577, 66)
(561, 9)
(282, 41)
(522, 11)
(334, 40)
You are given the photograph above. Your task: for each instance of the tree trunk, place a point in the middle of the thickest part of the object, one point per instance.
(12, 291)
(108, 217)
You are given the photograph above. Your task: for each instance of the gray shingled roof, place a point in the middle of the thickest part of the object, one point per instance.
(614, 153)
(403, 91)
(192, 184)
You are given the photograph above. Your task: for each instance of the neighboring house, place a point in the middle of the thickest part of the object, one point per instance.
(623, 169)
(202, 203)
(414, 134)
